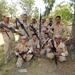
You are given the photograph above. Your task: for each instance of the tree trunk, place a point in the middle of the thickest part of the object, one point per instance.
(71, 41)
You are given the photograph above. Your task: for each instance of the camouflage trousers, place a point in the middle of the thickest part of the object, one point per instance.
(60, 58)
(8, 49)
(20, 60)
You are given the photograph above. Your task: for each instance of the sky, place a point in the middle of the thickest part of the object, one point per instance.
(40, 4)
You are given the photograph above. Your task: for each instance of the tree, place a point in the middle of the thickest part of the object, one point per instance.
(3, 8)
(27, 6)
(36, 13)
(12, 8)
(64, 10)
(48, 6)
(71, 41)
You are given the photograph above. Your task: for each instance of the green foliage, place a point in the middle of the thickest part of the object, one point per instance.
(27, 6)
(12, 8)
(3, 8)
(36, 13)
(49, 5)
(64, 10)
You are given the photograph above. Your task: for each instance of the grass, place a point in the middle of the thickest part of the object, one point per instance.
(41, 66)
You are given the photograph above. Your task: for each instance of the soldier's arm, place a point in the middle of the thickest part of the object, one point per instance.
(4, 30)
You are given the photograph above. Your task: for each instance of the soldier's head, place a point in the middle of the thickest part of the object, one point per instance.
(50, 19)
(57, 38)
(46, 35)
(58, 19)
(23, 39)
(25, 17)
(33, 20)
(6, 17)
(43, 20)
(34, 37)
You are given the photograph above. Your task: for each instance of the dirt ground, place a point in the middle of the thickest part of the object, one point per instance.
(41, 66)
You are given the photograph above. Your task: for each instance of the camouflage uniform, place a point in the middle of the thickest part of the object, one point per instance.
(61, 49)
(43, 29)
(35, 45)
(8, 42)
(22, 30)
(23, 48)
(36, 26)
(59, 30)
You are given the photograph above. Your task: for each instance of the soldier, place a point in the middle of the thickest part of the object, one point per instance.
(43, 27)
(8, 37)
(61, 50)
(35, 25)
(59, 28)
(44, 43)
(34, 42)
(23, 51)
(25, 23)
(49, 25)
(45, 40)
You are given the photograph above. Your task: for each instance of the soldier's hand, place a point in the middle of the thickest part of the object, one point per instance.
(57, 54)
(7, 30)
(24, 56)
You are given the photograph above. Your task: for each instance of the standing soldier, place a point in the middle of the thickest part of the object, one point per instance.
(35, 26)
(25, 23)
(8, 37)
(49, 25)
(23, 51)
(59, 28)
(43, 27)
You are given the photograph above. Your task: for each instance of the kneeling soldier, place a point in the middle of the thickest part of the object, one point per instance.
(23, 52)
(34, 42)
(61, 50)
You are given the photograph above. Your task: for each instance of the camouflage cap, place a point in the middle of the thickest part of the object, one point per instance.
(57, 36)
(50, 16)
(23, 37)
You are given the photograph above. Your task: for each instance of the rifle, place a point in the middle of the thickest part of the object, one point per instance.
(40, 29)
(23, 54)
(10, 28)
(22, 26)
(50, 24)
(35, 32)
(54, 50)
(5, 31)
(45, 43)
(16, 24)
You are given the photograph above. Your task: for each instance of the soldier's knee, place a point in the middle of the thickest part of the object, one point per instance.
(62, 58)
(29, 57)
(19, 62)
(50, 55)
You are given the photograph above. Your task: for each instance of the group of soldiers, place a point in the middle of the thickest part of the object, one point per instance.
(32, 41)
